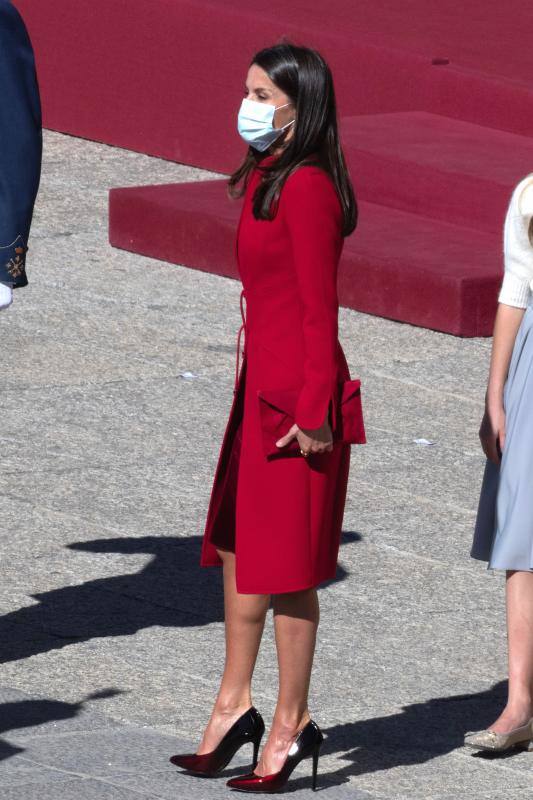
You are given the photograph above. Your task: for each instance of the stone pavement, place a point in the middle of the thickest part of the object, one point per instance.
(111, 635)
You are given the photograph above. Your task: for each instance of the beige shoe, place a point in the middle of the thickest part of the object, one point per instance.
(500, 742)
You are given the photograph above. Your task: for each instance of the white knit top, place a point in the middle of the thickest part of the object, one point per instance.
(517, 285)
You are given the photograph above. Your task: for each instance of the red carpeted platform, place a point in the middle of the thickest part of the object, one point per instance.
(166, 76)
(436, 112)
(438, 167)
(196, 220)
(447, 281)
(428, 250)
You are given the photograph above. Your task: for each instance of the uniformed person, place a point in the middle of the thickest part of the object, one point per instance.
(20, 148)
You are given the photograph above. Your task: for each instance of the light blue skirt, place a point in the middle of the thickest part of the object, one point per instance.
(504, 526)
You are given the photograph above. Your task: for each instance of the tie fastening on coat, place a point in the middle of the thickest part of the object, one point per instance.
(242, 330)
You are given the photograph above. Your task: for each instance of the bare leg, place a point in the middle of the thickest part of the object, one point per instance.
(519, 708)
(244, 616)
(296, 617)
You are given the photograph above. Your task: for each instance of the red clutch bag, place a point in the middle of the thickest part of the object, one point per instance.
(277, 409)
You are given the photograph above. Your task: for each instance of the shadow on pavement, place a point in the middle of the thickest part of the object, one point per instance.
(29, 713)
(418, 733)
(171, 590)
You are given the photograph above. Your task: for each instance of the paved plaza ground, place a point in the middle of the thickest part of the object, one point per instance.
(111, 635)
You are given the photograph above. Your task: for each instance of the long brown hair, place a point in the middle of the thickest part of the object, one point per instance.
(303, 75)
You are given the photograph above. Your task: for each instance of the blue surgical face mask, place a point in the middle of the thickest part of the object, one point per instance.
(255, 123)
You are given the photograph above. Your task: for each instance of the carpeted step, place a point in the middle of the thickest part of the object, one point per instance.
(397, 264)
(435, 166)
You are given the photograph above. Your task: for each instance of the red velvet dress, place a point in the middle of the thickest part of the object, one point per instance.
(282, 517)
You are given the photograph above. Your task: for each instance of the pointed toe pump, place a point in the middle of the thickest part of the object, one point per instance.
(250, 727)
(307, 744)
(519, 738)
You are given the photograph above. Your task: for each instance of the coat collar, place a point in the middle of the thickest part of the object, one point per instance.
(268, 159)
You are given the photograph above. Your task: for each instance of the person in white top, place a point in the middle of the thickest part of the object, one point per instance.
(504, 526)
(518, 277)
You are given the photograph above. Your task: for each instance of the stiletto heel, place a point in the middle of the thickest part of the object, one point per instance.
(316, 753)
(257, 742)
(250, 727)
(306, 744)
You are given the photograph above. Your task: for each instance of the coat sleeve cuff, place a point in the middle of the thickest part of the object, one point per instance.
(514, 291)
(13, 260)
(314, 402)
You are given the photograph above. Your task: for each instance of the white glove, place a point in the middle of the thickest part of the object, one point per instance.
(6, 294)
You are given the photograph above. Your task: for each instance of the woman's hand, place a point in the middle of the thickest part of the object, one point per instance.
(492, 431)
(310, 441)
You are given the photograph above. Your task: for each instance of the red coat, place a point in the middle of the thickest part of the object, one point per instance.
(282, 517)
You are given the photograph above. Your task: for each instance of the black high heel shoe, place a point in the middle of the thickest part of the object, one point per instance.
(250, 727)
(306, 744)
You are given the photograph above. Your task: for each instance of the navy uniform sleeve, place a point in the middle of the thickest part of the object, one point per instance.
(20, 143)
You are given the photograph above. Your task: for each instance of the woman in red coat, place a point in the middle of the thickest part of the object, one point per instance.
(274, 519)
